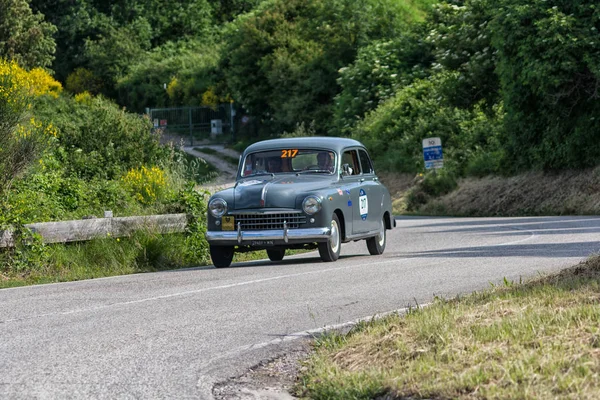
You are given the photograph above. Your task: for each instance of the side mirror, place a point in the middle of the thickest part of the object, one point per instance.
(346, 170)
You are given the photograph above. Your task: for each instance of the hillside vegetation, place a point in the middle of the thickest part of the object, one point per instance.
(64, 157)
(508, 85)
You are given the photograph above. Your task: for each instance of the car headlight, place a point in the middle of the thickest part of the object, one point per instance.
(217, 207)
(311, 205)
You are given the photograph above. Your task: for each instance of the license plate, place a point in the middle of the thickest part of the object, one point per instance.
(262, 243)
(227, 223)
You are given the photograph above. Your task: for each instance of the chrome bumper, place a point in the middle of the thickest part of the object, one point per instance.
(277, 236)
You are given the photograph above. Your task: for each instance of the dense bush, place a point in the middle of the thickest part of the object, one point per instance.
(429, 185)
(395, 130)
(98, 139)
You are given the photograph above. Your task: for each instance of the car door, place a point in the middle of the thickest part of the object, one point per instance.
(352, 186)
(371, 189)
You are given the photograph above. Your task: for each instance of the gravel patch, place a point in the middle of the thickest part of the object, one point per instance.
(270, 380)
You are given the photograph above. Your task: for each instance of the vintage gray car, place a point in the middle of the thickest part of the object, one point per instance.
(294, 193)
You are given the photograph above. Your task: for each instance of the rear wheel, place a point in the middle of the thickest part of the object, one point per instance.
(376, 244)
(221, 256)
(276, 254)
(330, 250)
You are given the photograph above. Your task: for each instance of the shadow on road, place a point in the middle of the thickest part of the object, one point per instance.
(289, 261)
(554, 250)
(265, 263)
(519, 222)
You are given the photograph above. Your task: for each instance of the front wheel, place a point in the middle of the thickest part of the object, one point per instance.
(376, 244)
(330, 250)
(221, 256)
(276, 254)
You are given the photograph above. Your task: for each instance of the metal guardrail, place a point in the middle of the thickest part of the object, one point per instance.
(100, 228)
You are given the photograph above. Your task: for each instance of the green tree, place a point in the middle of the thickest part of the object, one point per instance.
(170, 21)
(110, 55)
(76, 21)
(24, 35)
(549, 67)
(282, 59)
(379, 71)
(227, 10)
(460, 36)
(193, 64)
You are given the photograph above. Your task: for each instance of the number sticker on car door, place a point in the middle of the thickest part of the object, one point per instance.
(363, 204)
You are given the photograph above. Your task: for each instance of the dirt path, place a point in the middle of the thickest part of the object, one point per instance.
(227, 171)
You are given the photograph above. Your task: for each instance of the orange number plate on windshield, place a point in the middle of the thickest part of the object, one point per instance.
(289, 153)
(227, 223)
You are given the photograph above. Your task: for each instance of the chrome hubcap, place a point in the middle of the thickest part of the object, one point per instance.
(381, 235)
(334, 241)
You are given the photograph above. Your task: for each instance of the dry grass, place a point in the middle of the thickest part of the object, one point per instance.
(398, 185)
(534, 193)
(523, 341)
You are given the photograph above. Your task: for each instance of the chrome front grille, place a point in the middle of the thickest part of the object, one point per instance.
(255, 222)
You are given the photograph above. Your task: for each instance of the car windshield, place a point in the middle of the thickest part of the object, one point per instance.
(285, 161)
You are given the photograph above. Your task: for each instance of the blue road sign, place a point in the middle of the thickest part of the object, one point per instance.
(432, 153)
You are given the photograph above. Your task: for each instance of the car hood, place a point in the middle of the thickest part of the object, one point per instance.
(278, 192)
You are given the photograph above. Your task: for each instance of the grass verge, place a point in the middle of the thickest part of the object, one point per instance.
(535, 340)
(141, 252)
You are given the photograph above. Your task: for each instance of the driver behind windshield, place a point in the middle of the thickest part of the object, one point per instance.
(324, 161)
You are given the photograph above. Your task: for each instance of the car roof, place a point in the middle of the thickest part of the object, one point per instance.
(318, 142)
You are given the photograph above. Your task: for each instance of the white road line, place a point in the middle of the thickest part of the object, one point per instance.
(532, 235)
(311, 333)
(191, 292)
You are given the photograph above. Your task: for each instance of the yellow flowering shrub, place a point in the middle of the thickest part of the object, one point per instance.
(147, 184)
(172, 88)
(17, 84)
(84, 98)
(210, 99)
(15, 87)
(36, 127)
(43, 83)
(22, 139)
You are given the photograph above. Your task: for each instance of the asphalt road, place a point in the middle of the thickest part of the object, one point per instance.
(173, 334)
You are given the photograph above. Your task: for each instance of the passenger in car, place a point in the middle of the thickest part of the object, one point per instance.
(274, 165)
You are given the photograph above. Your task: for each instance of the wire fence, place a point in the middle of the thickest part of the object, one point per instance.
(196, 123)
(225, 123)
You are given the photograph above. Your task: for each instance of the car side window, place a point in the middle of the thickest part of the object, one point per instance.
(350, 157)
(365, 161)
